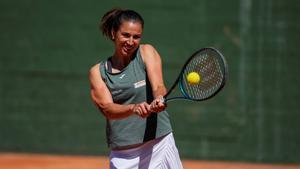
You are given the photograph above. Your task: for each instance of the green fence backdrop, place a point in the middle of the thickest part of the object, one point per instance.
(47, 48)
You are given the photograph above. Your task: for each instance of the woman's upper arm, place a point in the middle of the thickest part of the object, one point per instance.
(153, 64)
(103, 98)
(99, 92)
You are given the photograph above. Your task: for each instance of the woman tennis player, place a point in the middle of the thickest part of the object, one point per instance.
(127, 88)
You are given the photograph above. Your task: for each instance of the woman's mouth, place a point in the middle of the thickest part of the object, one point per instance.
(127, 49)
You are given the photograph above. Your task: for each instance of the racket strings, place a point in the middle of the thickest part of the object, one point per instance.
(211, 72)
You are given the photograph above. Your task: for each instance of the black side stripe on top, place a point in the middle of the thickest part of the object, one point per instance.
(151, 122)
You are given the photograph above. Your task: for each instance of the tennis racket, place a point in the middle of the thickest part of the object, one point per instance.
(209, 69)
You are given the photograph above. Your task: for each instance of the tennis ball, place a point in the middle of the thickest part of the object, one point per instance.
(193, 78)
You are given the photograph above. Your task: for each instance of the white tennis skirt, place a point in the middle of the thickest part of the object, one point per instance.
(160, 153)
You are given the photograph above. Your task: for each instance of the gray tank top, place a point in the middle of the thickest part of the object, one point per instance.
(127, 87)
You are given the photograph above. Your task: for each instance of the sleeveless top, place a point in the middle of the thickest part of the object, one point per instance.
(130, 86)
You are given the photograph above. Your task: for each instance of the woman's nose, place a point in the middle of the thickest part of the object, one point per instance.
(130, 41)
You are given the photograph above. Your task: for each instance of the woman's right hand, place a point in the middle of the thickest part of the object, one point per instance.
(142, 109)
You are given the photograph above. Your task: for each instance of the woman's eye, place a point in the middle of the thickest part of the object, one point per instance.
(126, 35)
(136, 37)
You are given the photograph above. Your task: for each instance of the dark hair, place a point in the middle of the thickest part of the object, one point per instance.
(112, 20)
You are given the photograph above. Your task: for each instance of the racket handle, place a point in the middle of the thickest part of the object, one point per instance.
(163, 100)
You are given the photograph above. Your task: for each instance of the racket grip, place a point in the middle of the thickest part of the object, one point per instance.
(163, 100)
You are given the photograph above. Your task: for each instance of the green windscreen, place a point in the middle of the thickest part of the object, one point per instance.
(48, 47)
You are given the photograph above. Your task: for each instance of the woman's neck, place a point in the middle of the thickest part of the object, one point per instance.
(119, 62)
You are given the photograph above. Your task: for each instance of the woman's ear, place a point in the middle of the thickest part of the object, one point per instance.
(113, 34)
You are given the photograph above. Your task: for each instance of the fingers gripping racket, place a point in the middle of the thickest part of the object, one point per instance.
(202, 76)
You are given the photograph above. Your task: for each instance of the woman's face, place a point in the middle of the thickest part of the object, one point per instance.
(127, 38)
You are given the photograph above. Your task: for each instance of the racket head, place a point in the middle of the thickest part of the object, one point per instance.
(211, 66)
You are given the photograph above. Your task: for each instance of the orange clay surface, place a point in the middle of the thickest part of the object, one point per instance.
(38, 161)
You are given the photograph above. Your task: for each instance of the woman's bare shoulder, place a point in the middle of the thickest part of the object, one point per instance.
(147, 47)
(94, 70)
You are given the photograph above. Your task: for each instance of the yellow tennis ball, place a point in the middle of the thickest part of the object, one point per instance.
(193, 78)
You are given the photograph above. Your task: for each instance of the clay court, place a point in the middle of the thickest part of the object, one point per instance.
(37, 161)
